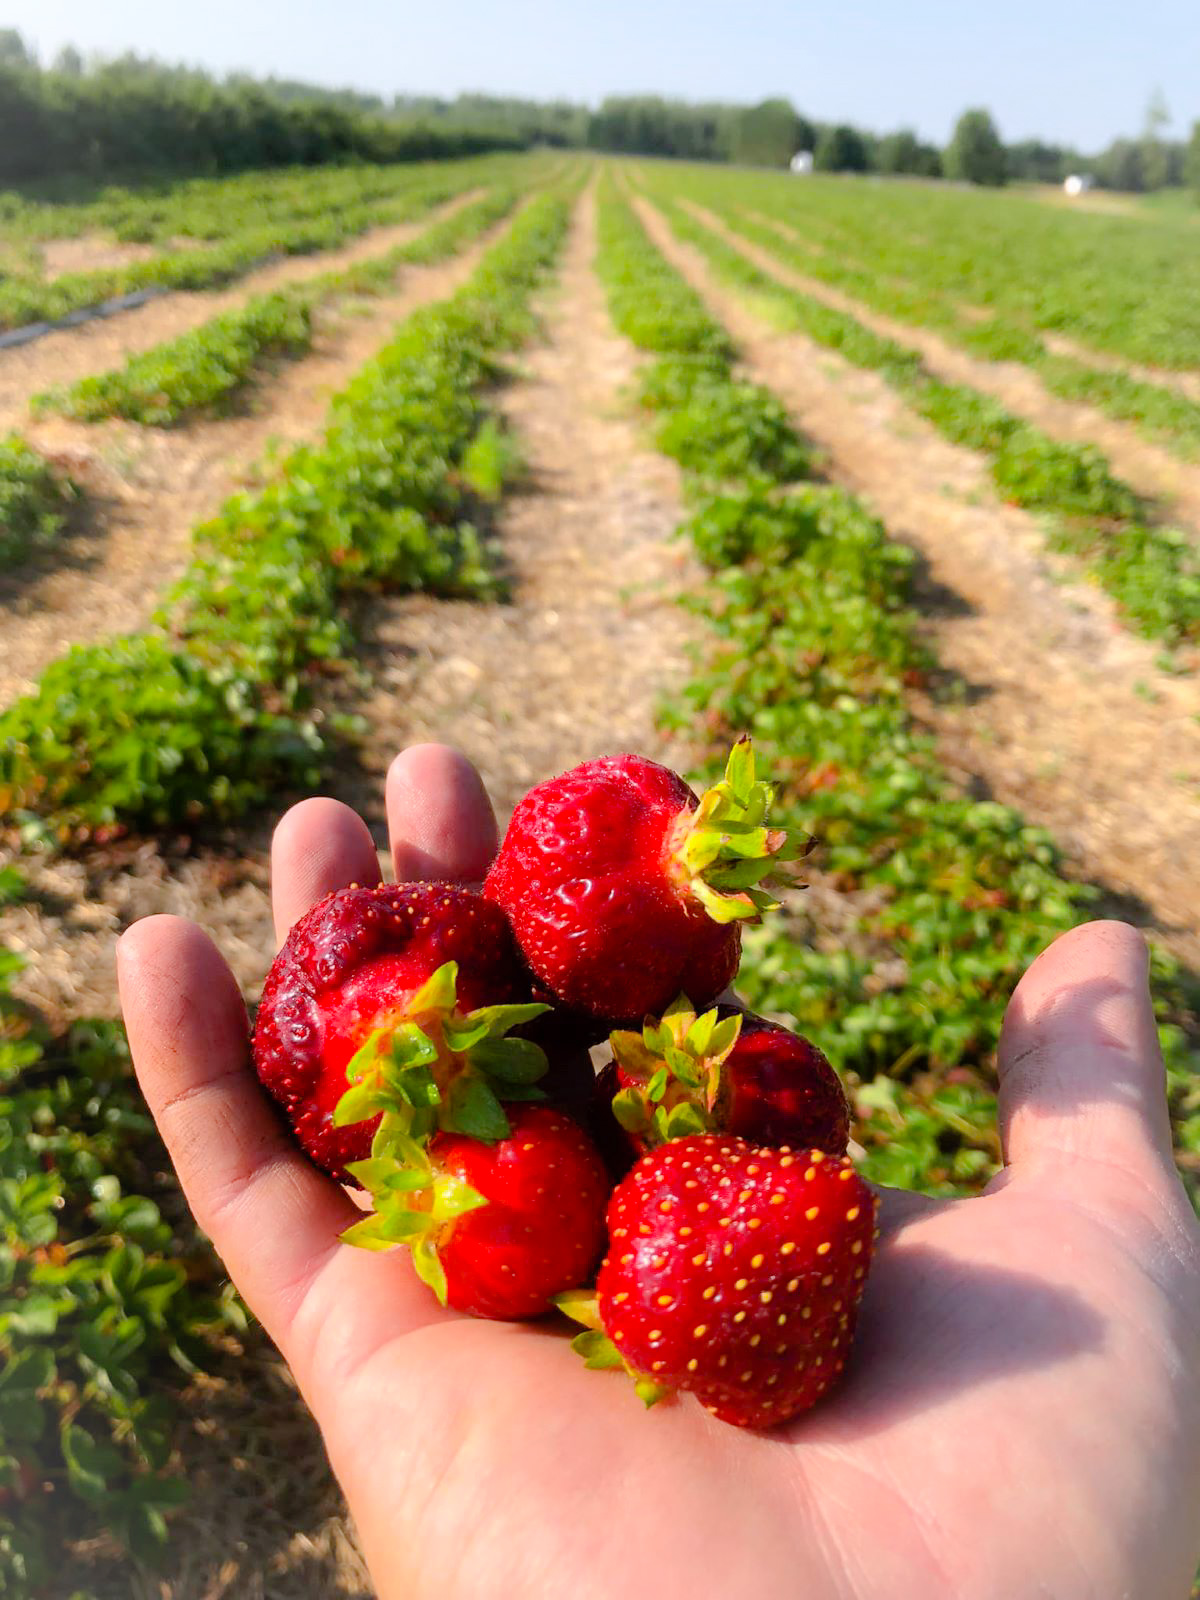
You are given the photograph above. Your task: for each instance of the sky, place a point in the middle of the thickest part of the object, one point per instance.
(1071, 71)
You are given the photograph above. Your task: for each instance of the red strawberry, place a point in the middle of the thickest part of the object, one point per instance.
(733, 1271)
(386, 979)
(496, 1229)
(623, 889)
(724, 1072)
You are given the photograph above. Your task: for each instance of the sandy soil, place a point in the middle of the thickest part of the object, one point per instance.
(1150, 469)
(73, 353)
(148, 488)
(572, 666)
(1060, 711)
(1188, 383)
(92, 252)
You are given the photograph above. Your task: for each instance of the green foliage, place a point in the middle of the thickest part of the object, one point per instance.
(492, 461)
(975, 153)
(206, 368)
(942, 900)
(841, 148)
(1089, 511)
(33, 500)
(732, 430)
(200, 370)
(200, 716)
(99, 1301)
(768, 134)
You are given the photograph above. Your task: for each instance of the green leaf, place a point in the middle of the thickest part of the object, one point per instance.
(439, 993)
(510, 1060)
(429, 1268)
(629, 1108)
(474, 1109)
(453, 1198)
(597, 1349)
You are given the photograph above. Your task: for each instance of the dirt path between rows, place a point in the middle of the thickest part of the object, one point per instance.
(1151, 470)
(1187, 383)
(92, 347)
(573, 666)
(1064, 714)
(149, 487)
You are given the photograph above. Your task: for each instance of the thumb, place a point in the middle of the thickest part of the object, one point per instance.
(1081, 1074)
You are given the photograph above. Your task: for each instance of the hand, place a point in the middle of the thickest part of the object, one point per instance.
(1021, 1416)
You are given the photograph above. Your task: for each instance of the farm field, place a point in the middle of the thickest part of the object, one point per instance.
(552, 457)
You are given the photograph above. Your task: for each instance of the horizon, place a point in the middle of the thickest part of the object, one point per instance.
(1109, 62)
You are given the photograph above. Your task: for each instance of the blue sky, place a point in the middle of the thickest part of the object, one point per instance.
(1064, 69)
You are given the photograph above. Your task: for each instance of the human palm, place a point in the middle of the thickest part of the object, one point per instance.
(1021, 1416)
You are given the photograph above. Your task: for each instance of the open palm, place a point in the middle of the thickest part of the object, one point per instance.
(1021, 1416)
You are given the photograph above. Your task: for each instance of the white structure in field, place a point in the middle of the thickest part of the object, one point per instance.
(1078, 183)
(802, 161)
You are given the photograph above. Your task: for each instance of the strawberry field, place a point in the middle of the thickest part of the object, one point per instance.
(550, 458)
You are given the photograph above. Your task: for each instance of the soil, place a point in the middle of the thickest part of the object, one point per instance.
(1150, 469)
(73, 353)
(92, 252)
(1043, 672)
(147, 488)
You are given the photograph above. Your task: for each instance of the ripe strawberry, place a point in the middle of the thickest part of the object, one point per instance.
(498, 1229)
(415, 983)
(734, 1272)
(724, 1072)
(623, 889)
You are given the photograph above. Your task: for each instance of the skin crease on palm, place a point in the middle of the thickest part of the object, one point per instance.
(1021, 1417)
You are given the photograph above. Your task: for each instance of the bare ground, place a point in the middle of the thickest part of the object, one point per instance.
(73, 353)
(572, 666)
(1060, 711)
(149, 487)
(1188, 383)
(1148, 468)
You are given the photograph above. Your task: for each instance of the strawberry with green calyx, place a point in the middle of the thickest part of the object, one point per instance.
(494, 1229)
(725, 1071)
(352, 983)
(442, 1068)
(733, 1272)
(624, 889)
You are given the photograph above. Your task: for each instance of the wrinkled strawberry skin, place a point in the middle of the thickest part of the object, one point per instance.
(345, 969)
(585, 877)
(782, 1090)
(542, 1230)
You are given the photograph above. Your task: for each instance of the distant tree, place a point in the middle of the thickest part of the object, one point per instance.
(1191, 167)
(1033, 161)
(1121, 166)
(840, 148)
(975, 153)
(1156, 161)
(69, 62)
(903, 152)
(767, 135)
(14, 52)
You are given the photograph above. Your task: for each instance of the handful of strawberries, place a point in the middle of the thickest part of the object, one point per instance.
(421, 1037)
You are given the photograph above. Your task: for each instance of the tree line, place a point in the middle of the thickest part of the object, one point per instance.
(108, 119)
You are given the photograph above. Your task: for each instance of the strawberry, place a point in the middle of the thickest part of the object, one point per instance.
(624, 889)
(411, 986)
(733, 1271)
(495, 1229)
(724, 1072)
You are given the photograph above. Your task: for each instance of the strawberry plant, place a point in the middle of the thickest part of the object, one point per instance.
(33, 500)
(223, 682)
(942, 900)
(104, 1307)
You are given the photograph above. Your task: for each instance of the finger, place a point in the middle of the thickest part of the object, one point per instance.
(319, 845)
(272, 1217)
(1081, 1074)
(440, 820)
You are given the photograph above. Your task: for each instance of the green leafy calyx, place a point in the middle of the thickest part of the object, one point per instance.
(672, 1072)
(598, 1351)
(725, 850)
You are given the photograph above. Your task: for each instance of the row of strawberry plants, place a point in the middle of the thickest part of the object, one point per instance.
(1160, 411)
(33, 500)
(1123, 284)
(1151, 570)
(208, 710)
(207, 368)
(931, 903)
(104, 1309)
(25, 301)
